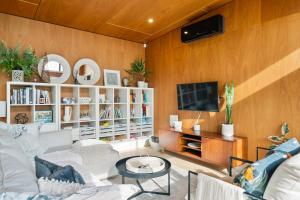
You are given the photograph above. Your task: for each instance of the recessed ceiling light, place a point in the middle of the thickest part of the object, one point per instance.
(150, 20)
(185, 32)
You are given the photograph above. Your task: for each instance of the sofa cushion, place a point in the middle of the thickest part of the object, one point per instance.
(291, 146)
(16, 176)
(7, 140)
(58, 188)
(26, 135)
(64, 155)
(98, 158)
(52, 171)
(19, 155)
(56, 141)
(255, 177)
(284, 184)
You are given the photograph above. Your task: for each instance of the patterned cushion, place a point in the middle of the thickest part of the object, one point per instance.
(52, 171)
(255, 177)
(291, 146)
(58, 188)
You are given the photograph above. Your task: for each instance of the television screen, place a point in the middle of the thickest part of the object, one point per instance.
(198, 96)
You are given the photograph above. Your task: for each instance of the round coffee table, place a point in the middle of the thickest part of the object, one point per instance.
(121, 166)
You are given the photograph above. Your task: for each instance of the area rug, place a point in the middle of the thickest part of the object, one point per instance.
(179, 185)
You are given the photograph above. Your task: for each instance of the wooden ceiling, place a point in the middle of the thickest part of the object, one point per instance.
(125, 19)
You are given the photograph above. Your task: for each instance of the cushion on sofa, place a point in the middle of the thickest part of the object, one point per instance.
(56, 141)
(58, 188)
(52, 171)
(255, 177)
(27, 136)
(7, 140)
(16, 177)
(291, 146)
(98, 158)
(284, 184)
(88, 177)
(19, 155)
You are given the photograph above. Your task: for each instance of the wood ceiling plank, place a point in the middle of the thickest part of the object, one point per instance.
(77, 13)
(122, 33)
(164, 13)
(19, 8)
(126, 19)
(32, 1)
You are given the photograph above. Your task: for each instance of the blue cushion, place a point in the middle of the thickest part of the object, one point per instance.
(291, 146)
(52, 171)
(256, 176)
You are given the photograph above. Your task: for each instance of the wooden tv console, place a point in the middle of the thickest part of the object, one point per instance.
(214, 149)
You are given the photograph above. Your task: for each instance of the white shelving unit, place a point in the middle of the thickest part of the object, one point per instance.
(114, 113)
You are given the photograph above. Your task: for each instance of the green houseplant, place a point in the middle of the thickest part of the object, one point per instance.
(138, 72)
(19, 64)
(227, 128)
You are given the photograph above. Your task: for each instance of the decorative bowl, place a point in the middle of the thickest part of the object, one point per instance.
(145, 164)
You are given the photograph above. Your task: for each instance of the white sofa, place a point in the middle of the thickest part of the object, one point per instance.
(91, 158)
(97, 157)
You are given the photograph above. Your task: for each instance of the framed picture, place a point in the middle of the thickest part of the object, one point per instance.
(44, 116)
(112, 78)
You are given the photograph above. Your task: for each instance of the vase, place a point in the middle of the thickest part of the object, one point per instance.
(125, 82)
(141, 84)
(227, 130)
(68, 113)
(17, 76)
(145, 85)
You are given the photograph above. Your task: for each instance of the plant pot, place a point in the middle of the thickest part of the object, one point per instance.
(227, 130)
(17, 76)
(141, 84)
(145, 85)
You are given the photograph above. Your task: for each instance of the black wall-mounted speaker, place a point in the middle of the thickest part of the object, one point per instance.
(203, 29)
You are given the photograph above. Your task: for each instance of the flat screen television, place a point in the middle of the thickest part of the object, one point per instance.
(198, 96)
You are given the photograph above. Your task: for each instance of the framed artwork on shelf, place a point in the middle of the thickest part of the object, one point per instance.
(112, 77)
(44, 116)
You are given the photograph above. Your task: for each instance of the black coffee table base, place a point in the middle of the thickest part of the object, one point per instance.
(145, 191)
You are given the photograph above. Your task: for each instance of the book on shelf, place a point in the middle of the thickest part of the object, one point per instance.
(22, 96)
(105, 113)
(146, 110)
(42, 97)
(119, 113)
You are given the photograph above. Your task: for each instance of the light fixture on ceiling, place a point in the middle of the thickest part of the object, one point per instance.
(150, 20)
(185, 32)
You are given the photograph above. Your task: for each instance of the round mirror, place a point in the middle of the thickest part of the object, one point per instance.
(86, 71)
(54, 69)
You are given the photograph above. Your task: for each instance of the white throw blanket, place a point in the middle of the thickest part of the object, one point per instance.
(110, 192)
(210, 188)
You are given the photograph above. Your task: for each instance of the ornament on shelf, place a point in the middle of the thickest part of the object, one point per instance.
(21, 118)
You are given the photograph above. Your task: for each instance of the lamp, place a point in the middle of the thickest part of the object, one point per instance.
(2, 108)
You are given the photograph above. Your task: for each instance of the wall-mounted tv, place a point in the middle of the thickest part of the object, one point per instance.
(198, 96)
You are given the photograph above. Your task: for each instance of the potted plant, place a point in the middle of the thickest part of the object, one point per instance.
(277, 140)
(228, 128)
(138, 72)
(18, 64)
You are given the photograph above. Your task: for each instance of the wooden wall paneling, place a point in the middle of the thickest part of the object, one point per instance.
(70, 43)
(259, 52)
